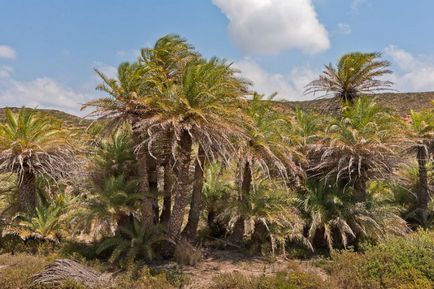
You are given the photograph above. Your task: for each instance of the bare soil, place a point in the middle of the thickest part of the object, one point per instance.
(220, 262)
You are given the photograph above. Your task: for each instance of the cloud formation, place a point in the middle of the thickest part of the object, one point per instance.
(41, 92)
(273, 26)
(414, 73)
(288, 87)
(7, 52)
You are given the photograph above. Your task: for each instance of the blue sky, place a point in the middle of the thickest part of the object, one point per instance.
(48, 48)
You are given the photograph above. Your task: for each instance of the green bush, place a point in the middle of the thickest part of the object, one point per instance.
(398, 262)
(282, 280)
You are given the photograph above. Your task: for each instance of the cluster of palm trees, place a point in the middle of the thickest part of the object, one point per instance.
(186, 146)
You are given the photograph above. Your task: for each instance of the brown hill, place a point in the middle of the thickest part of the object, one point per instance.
(400, 103)
(69, 119)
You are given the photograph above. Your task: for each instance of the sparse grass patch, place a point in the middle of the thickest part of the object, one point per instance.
(17, 270)
(282, 280)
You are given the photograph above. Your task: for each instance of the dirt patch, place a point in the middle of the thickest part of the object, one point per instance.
(220, 262)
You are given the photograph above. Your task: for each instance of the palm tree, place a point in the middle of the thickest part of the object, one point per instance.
(422, 136)
(122, 107)
(336, 220)
(203, 107)
(267, 147)
(268, 207)
(110, 204)
(128, 101)
(218, 188)
(33, 145)
(356, 74)
(406, 194)
(357, 146)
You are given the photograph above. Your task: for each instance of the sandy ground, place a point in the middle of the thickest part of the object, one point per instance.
(219, 262)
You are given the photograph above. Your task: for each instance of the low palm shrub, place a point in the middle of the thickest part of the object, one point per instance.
(133, 241)
(335, 220)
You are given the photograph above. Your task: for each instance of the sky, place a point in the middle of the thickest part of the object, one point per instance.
(49, 48)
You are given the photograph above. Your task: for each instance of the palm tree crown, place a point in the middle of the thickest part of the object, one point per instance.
(359, 145)
(34, 145)
(356, 73)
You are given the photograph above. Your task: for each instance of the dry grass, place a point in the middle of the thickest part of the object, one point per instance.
(16, 270)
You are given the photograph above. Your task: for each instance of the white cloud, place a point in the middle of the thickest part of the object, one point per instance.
(7, 52)
(5, 72)
(288, 87)
(344, 28)
(41, 92)
(273, 26)
(355, 5)
(414, 73)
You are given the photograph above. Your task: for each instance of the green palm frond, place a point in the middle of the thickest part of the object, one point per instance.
(133, 241)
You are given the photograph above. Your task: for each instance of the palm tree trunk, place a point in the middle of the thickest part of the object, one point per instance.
(153, 186)
(360, 189)
(190, 230)
(143, 176)
(167, 201)
(217, 226)
(27, 191)
(423, 193)
(239, 226)
(181, 194)
(260, 233)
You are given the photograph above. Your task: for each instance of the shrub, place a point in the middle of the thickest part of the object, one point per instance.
(395, 263)
(282, 280)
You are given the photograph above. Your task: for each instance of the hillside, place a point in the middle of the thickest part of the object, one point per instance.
(400, 103)
(69, 119)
